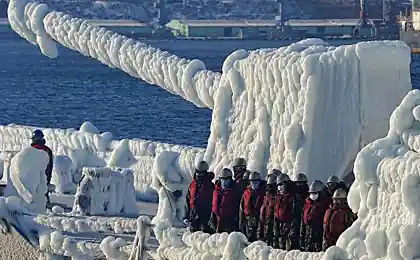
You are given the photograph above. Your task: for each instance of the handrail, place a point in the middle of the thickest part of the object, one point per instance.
(139, 248)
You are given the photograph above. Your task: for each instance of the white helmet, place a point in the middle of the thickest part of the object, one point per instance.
(246, 175)
(271, 179)
(202, 166)
(276, 172)
(333, 179)
(340, 194)
(226, 173)
(255, 176)
(282, 178)
(301, 177)
(239, 162)
(316, 187)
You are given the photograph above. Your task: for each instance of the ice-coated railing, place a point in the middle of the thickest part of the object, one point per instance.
(188, 79)
(52, 242)
(92, 149)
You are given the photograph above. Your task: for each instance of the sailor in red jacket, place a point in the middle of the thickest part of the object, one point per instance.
(199, 198)
(287, 214)
(239, 170)
(266, 225)
(313, 217)
(38, 142)
(337, 219)
(250, 206)
(225, 208)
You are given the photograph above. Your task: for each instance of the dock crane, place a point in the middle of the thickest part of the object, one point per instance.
(364, 28)
(386, 29)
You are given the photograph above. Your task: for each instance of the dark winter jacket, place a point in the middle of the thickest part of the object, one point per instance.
(225, 209)
(252, 200)
(200, 195)
(266, 220)
(303, 191)
(224, 202)
(249, 211)
(40, 145)
(287, 218)
(337, 219)
(314, 211)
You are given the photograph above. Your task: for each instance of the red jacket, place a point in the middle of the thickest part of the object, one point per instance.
(336, 220)
(284, 206)
(313, 211)
(225, 202)
(200, 195)
(252, 201)
(45, 148)
(268, 208)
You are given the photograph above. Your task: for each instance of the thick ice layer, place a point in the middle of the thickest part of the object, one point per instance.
(307, 107)
(75, 224)
(106, 191)
(88, 149)
(280, 108)
(168, 179)
(183, 77)
(28, 180)
(61, 175)
(385, 193)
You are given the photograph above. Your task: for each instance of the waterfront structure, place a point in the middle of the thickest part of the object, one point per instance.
(129, 28)
(261, 28)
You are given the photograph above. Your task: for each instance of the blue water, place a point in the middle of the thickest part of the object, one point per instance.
(72, 89)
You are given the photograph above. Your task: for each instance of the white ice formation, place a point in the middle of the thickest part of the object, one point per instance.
(307, 107)
(168, 179)
(61, 175)
(28, 180)
(384, 195)
(275, 107)
(104, 191)
(86, 149)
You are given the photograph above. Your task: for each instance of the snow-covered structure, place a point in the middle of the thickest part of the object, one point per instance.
(171, 184)
(275, 107)
(28, 180)
(306, 107)
(86, 149)
(61, 175)
(104, 191)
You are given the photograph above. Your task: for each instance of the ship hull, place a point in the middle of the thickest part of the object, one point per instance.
(412, 38)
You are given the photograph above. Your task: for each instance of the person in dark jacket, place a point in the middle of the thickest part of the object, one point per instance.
(225, 207)
(302, 186)
(38, 142)
(239, 170)
(250, 205)
(313, 216)
(266, 221)
(333, 184)
(246, 177)
(302, 189)
(199, 199)
(337, 219)
(287, 214)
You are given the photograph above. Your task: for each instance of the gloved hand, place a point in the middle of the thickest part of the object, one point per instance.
(51, 187)
(187, 222)
(177, 194)
(213, 222)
